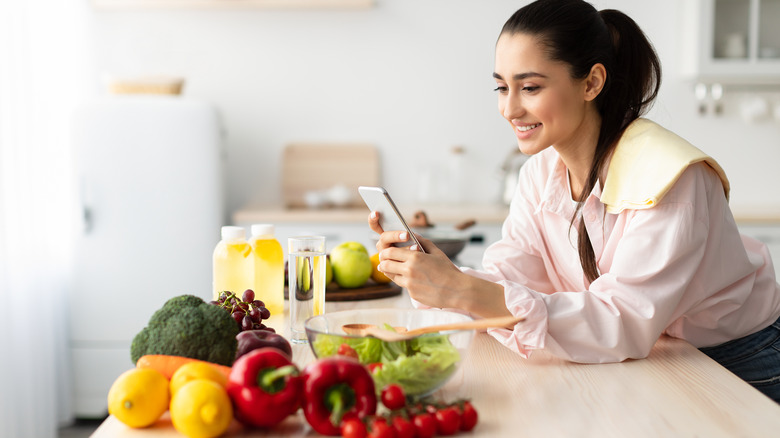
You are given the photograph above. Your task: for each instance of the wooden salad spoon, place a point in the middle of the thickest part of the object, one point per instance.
(395, 336)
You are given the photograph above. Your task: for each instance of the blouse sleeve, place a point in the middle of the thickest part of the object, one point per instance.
(655, 257)
(517, 256)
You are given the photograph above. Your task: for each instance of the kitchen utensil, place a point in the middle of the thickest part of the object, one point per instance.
(450, 242)
(361, 329)
(716, 91)
(701, 95)
(390, 336)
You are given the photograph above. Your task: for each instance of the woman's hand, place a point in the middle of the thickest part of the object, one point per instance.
(431, 278)
(424, 275)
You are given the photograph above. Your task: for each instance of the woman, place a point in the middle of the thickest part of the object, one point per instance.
(619, 231)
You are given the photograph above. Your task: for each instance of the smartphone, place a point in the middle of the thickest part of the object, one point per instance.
(377, 199)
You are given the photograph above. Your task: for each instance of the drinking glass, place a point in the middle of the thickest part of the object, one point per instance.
(306, 280)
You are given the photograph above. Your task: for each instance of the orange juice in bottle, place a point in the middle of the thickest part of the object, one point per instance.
(268, 257)
(232, 262)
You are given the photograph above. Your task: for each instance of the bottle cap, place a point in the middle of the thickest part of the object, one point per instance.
(262, 230)
(231, 232)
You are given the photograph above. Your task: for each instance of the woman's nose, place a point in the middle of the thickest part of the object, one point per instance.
(512, 107)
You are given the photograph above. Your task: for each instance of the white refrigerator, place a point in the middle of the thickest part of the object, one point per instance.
(150, 180)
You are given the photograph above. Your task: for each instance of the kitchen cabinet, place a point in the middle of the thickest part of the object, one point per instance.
(731, 41)
(227, 4)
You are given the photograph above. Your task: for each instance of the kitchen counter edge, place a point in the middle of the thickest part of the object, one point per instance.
(448, 214)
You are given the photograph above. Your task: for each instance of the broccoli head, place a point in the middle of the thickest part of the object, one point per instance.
(190, 327)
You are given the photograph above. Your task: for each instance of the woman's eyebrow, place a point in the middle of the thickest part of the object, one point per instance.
(521, 76)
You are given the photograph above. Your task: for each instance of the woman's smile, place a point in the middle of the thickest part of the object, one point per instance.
(524, 131)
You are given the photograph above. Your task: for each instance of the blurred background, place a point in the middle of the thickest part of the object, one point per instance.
(131, 130)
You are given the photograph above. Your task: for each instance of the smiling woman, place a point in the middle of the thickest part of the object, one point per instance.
(619, 230)
(39, 83)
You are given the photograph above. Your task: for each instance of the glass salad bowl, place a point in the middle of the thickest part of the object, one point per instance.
(420, 365)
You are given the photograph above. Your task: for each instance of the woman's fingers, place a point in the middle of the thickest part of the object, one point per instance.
(394, 262)
(386, 238)
(373, 222)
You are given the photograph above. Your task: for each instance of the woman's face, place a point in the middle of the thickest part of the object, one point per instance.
(538, 97)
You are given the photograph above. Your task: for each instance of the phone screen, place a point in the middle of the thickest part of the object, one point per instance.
(390, 218)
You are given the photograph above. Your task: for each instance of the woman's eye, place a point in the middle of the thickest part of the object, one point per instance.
(500, 89)
(530, 89)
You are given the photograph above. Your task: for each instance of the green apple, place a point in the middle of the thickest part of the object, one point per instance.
(351, 264)
(328, 270)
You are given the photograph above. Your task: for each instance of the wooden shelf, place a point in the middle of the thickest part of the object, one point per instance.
(232, 4)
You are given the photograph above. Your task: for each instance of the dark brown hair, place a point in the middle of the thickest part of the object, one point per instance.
(574, 32)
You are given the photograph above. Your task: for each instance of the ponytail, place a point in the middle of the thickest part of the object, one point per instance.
(574, 32)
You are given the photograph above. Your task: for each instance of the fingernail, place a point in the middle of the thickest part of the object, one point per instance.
(413, 247)
(373, 215)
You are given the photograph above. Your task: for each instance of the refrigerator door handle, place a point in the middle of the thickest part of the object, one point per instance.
(87, 217)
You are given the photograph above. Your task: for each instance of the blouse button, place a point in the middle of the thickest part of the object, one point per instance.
(591, 217)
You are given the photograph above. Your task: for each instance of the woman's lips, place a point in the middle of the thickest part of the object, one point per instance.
(525, 131)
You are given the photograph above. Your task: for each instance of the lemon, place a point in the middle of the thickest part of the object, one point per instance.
(196, 370)
(201, 409)
(138, 397)
(376, 274)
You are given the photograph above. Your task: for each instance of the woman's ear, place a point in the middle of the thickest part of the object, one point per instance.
(595, 81)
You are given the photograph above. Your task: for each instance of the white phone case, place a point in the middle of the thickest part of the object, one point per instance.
(377, 199)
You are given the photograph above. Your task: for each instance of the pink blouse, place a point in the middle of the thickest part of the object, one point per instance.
(680, 268)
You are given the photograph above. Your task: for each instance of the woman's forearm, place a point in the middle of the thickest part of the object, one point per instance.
(480, 297)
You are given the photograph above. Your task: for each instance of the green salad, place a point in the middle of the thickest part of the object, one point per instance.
(418, 365)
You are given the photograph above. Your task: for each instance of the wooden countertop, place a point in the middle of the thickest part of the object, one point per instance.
(487, 213)
(677, 391)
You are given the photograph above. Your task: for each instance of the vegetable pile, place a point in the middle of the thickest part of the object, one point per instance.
(419, 365)
(193, 361)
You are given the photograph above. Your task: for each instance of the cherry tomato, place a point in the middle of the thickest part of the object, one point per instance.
(424, 425)
(378, 428)
(468, 417)
(403, 427)
(447, 420)
(353, 428)
(393, 397)
(374, 366)
(346, 350)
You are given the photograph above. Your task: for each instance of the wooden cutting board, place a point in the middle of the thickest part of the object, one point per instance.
(321, 166)
(370, 291)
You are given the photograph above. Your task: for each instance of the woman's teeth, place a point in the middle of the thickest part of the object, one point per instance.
(527, 127)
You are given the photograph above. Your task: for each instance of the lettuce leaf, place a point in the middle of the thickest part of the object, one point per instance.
(432, 362)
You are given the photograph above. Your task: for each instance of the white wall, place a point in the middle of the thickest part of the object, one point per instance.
(410, 76)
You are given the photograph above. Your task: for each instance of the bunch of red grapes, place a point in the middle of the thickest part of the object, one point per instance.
(248, 312)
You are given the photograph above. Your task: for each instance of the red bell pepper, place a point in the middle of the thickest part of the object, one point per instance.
(336, 388)
(265, 387)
